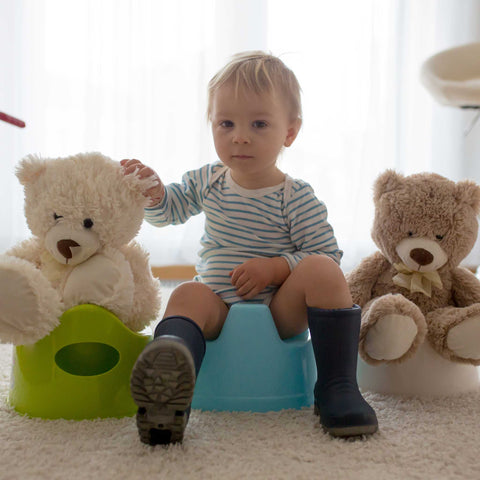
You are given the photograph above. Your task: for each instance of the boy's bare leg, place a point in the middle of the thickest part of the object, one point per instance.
(317, 281)
(198, 302)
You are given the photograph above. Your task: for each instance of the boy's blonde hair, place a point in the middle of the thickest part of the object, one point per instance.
(259, 72)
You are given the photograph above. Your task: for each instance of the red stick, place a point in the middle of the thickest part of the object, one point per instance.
(12, 120)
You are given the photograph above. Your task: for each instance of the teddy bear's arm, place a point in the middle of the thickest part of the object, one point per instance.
(465, 287)
(146, 297)
(29, 250)
(363, 278)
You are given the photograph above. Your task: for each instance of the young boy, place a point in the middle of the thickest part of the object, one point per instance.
(266, 239)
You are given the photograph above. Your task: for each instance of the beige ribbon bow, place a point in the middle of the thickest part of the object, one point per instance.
(416, 281)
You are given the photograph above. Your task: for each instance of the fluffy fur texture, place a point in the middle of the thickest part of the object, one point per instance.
(423, 223)
(83, 214)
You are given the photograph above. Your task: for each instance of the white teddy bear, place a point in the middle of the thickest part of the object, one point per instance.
(83, 213)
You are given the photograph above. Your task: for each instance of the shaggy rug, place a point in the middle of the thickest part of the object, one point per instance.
(418, 439)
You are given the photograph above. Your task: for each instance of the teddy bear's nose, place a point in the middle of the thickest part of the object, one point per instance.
(64, 246)
(421, 256)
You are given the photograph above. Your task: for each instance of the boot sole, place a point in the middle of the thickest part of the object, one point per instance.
(162, 385)
(351, 431)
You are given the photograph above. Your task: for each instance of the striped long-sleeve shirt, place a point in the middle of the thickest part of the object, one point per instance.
(286, 220)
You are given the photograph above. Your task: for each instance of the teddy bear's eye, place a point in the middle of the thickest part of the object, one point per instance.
(88, 223)
(410, 234)
(56, 217)
(439, 237)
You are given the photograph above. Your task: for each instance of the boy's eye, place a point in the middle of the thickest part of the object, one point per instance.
(226, 124)
(259, 124)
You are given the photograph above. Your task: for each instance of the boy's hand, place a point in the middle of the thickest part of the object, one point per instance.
(156, 193)
(252, 276)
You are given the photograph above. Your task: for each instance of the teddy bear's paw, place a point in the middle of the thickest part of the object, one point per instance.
(390, 337)
(103, 280)
(29, 307)
(464, 339)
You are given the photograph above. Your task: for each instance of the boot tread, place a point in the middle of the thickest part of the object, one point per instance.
(162, 385)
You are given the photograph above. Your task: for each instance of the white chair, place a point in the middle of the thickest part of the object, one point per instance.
(453, 76)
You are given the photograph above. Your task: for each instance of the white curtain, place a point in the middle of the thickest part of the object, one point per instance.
(128, 78)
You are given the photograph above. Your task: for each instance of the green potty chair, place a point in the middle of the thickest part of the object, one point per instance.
(249, 368)
(80, 371)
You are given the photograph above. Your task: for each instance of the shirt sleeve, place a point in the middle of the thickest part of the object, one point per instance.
(182, 200)
(310, 231)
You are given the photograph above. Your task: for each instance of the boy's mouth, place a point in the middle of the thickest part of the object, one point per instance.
(242, 157)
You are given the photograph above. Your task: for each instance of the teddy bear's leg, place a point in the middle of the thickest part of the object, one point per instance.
(29, 306)
(455, 333)
(392, 329)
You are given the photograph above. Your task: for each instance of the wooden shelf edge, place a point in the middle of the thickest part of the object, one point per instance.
(174, 272)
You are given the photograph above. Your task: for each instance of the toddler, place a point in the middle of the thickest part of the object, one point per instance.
(266, 239)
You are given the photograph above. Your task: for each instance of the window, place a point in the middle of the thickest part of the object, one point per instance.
(129, 79)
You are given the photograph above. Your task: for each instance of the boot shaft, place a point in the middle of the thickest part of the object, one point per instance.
(188, 331)
(335, 335)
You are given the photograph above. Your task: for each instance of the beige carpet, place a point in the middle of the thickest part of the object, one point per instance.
(418, 439)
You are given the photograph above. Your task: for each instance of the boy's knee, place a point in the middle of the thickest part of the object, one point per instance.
(320, 271)
(198, 302)
(324, 283)
(318, 265)
(190, 291)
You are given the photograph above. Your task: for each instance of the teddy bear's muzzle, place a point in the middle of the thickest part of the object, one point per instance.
(65, 247)
(421, 256)
(70, 246)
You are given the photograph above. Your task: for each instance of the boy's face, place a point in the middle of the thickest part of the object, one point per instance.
(249, 130)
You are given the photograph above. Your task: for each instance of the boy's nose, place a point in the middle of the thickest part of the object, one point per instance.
(240, 138)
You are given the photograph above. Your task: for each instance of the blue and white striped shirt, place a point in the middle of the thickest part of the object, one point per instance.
(285, 220)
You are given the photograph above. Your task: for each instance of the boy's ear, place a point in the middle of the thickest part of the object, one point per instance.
(293, 132)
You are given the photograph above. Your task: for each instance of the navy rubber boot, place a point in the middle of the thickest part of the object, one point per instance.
(163, 380)
(342, 409)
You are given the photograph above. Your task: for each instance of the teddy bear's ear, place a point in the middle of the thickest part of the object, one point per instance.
(469, 193)
(386, 182)
(30, 168)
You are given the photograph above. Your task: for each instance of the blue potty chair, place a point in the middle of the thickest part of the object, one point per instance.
(249, 368)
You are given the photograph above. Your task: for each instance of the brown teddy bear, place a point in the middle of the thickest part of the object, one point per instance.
(413, 289)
